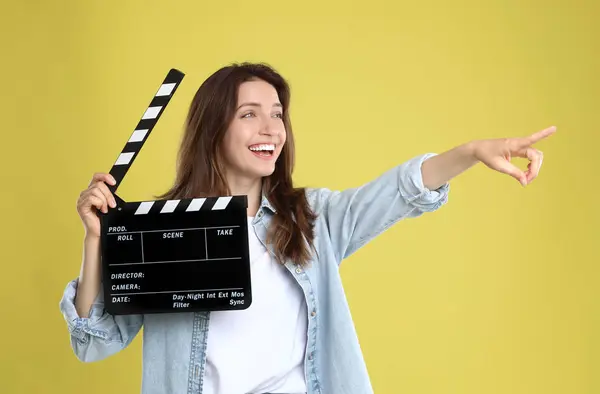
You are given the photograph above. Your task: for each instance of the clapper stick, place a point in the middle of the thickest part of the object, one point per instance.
(168, 256)
(144, 127)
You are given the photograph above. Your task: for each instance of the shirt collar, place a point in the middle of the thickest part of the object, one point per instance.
(265, 203)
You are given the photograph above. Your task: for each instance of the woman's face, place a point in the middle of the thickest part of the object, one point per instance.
(256, 135)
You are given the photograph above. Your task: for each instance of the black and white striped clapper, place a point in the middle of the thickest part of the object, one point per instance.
(169, 256)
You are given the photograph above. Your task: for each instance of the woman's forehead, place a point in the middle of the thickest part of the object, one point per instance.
(257, 91)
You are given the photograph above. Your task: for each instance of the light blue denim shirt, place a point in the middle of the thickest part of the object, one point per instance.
(174, 345)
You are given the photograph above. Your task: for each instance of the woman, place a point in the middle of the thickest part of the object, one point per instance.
(298, 335)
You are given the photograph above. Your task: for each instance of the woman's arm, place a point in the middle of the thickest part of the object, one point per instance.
(354, 216)
(494, 153)
(440, 169)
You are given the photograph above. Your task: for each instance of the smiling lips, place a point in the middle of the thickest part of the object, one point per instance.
(263, 151)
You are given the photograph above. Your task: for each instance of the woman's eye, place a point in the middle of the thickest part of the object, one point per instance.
(251, 114)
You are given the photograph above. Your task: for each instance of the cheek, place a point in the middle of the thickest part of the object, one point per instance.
(283, 140)
(230, 148)
(234, 139)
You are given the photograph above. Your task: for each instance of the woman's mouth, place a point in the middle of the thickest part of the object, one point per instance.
(263, 151)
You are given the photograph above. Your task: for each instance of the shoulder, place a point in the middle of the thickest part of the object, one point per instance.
(318, 198)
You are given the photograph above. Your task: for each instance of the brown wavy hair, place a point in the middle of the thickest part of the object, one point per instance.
(200, 171)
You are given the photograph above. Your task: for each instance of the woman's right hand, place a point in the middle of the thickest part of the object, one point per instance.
(97, 197)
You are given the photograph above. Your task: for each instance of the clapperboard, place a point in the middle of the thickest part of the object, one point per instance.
(169, 256)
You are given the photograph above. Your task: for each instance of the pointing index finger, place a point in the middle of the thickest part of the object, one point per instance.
(540, 135)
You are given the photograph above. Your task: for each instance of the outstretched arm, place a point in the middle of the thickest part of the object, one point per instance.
(354, 216)
(494, 153)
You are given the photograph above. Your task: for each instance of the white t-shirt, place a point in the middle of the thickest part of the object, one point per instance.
(260, 349)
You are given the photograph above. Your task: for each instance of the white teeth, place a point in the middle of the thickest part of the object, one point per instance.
(262, 147)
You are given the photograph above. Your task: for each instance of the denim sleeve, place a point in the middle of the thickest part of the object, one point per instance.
(98, 335)
(355, 216)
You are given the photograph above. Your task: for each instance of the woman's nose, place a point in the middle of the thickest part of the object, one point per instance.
(269, 129)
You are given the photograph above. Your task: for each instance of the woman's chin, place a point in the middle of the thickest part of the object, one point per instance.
(266, 173)
(258, 173)
(263, 170)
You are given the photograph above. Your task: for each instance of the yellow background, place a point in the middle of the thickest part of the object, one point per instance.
(495, 293)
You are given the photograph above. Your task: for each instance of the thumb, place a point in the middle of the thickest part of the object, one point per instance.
(508, 168)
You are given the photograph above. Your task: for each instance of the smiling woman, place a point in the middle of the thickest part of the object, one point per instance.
(256, 131)
(238, 141)
(297, 336)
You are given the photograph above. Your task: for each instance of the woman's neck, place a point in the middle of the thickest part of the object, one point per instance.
(250, 188)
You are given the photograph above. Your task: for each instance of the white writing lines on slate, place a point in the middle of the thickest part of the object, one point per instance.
(178, 261)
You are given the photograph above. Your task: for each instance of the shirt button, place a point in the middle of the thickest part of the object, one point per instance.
(298, 270)
(313, 313)
(310, 356)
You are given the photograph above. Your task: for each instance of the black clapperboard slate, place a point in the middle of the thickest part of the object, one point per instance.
(171, 256)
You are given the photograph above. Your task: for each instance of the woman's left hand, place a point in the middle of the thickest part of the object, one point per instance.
(497, 154)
